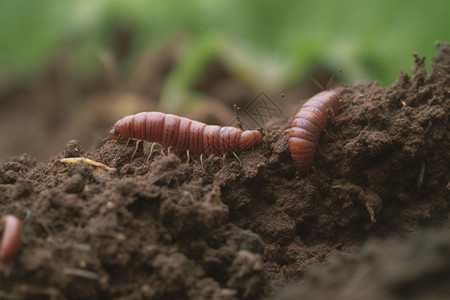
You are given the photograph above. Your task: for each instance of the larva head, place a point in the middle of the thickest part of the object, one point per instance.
(250, 138)
(114, 134)
(338, 99)
(260, 135)
(121, 129)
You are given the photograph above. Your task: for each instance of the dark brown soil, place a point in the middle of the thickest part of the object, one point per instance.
(164, 230)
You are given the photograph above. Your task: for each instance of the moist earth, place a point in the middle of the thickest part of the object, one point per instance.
(250, 228)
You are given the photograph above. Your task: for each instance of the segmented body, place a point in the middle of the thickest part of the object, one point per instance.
(308, 124)
(185, 134)
(11, 237)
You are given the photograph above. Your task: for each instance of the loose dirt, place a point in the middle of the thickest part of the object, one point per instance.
(165, 230)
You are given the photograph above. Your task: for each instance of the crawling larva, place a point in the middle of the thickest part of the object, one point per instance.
(184, 134)
(308, 124)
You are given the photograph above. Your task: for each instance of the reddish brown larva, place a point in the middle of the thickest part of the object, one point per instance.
(309, 123)
(11, 237)
(184, 134)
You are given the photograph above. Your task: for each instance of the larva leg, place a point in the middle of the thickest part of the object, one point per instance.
(162, 153)
(235, 155)
(168, 149)
(201, 161)
(314, 170)
(318, 147)
(344, 102)
(136, 149)
(329, 135)
(188, 158)
(151, 152)
(128, 141)
(332, 116)
(223, 157)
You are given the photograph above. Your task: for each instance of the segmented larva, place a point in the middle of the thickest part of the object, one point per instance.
(308, 124)
(11, 237)
(184, 134)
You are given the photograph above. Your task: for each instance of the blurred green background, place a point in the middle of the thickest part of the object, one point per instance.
(365, 39)
(266, 45)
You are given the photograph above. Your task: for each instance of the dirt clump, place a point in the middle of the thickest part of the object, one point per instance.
(382, 270)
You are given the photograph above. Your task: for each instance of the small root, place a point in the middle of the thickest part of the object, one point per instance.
(72, 160)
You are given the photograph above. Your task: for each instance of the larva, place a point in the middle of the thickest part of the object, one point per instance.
(184, 134)
(11, 237)
(308, 124)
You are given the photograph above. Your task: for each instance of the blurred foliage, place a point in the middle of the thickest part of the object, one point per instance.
(269, 44)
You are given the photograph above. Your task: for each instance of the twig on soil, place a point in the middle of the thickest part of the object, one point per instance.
(81, 273)
(421, 173)
(85, 247)
(87, 161)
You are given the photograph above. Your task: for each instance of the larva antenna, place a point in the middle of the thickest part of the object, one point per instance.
(318, 84)
(321, 86)
(330, 81)
(236, 109)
